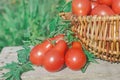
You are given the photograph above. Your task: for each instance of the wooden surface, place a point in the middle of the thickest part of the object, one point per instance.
(102, 71)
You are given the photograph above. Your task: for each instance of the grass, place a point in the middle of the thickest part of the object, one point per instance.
(25, 21)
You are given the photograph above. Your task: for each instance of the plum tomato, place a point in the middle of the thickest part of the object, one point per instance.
(116, 6)
(81, 7)
(38, 52)
(75, 59)
(106, 2)
(102, 10)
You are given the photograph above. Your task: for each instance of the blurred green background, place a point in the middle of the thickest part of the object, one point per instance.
(25, 21)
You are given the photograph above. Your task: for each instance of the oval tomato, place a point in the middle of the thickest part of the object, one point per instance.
(61, 46)
(94, 0)
(94, 4)
(58, 37)
(81, 7)
(102, 10)
(53, 61)
(38, 52)
(106, 2)
(75, 59)
(116, 6)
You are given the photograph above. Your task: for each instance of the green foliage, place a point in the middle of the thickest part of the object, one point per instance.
(90, 59)
(17, 68)
(25, 21)
(34, 21)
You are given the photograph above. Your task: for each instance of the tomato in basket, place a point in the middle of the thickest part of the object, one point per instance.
(102, 10)
(116, 6)
(106, 2)
(81, 7)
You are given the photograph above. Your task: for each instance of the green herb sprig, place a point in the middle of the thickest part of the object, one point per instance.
(16, 69)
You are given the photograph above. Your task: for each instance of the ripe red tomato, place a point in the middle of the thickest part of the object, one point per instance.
(61, 46)
(58, 37)
(76, 44)
(54, 59)
(116, 6)
(38, 52)
(75, 59)
(94, 4)
(102, 10)
(94, 0)
(106, 2)
(81, 7)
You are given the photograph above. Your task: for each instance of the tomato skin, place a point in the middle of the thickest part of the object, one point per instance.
(76, 44)
(94, 4)
(53, 61)
(81, 7)
(58, 37)
(116, 6)
(106, 2)
(61, 46)
(102, 10)
(75, 59)
(38, 52)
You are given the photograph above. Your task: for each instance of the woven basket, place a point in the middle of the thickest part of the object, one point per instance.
(98, 34)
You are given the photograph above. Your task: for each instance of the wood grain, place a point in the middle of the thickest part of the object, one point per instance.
(102, 71)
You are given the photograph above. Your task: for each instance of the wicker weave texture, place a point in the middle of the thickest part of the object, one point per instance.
(98, 34)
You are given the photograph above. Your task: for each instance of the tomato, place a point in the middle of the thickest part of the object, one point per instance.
(58, 37)
(76, 44)
(94, 0)
(75, 59)
(38, 52)
(116, 6)
(54, 59)
(106, 2)
(81, 7)
(102, 10)
(61, 46)
(94, 4)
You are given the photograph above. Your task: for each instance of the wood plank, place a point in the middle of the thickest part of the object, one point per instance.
(102, 71)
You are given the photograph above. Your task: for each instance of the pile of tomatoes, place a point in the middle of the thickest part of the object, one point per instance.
(95, 7)
(54, 54)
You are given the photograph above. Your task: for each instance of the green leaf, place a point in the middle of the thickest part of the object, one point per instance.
(27, 67)
(67, 7)
(53, 24)
(7, 75)
(91, 57)
(85, 67)
(23, 54)
(11, 66)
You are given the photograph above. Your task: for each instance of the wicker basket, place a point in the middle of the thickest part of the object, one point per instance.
(98, 34)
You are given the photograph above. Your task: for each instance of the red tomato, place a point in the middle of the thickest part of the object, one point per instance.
(75, 59)
(76, 44)
(61, 46)
(81, 7)
(94, 4)
(58, 37)
(116, 6)
(94, 0)
(38, 52)
(106, 2)
(54, 59)
(102, 10)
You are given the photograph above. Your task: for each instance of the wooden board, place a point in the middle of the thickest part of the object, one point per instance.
(102, 71)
